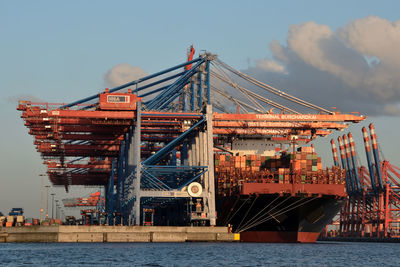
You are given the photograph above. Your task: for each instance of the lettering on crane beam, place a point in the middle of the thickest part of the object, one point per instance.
(287, 116)
(117, 99)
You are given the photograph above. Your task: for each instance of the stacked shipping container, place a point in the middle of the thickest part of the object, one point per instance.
(304, 167)
(92, 200)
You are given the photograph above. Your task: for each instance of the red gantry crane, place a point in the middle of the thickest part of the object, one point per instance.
(161, 128)
(372, 209)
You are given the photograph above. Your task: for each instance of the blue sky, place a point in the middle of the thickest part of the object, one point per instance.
(59, 51)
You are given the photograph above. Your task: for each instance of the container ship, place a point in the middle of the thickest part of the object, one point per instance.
(165, 156)
(284, 198)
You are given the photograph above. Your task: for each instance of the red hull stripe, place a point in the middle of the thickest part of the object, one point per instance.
(279, 237)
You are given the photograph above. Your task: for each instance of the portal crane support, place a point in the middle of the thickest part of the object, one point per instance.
(351, 168)
(369, 161)
(376, 156)
(372, 212)
(354, 163)
(334, 153)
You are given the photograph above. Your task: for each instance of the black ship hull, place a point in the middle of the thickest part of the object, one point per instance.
(277, 218)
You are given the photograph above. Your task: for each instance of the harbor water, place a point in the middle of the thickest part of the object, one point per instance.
(200, 254)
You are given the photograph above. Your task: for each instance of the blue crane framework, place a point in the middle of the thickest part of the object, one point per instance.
(373, 205)
(148, 140)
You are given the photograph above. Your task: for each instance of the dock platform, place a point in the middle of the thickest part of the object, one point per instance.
(76, 234)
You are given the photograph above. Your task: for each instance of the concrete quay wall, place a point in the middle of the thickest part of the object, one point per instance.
(64, 233)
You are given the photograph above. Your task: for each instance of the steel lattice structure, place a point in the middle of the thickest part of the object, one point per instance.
(373, 205)
(146, 141)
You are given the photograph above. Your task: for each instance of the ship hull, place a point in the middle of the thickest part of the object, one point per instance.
(278, 218)
(279, 237)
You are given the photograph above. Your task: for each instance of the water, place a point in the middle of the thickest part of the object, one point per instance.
(200, 254)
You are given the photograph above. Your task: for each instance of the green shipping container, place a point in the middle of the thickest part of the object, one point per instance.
(314, 168)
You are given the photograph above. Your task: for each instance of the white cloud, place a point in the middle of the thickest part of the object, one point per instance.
(123, 73)
(270, 65)
(278, 51)
(353, 67)
(316, 44)
(375, 37)
(379, 39)
(305, 41)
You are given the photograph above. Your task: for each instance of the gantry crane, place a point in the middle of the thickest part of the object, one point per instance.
(148, 141)
(373, 205)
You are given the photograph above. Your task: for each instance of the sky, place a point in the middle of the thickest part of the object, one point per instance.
(332, 53)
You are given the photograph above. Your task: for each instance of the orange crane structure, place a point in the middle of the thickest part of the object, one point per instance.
(146, 141)
(372, 209)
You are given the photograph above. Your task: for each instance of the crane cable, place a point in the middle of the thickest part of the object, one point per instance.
(251, 99)
(278, 213)
(263, 86)
(219, 106)
(229, 81)
(261, 213)
(272, 89)
(225, 77)
(237, 101)
(248, 92)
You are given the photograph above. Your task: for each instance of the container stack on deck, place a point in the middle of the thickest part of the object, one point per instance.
(305, 168)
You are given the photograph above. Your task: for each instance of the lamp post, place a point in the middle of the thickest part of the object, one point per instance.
(57, 209)
(52, 205)
(41, 200)
(47, 205)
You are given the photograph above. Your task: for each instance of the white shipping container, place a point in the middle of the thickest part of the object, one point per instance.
(20, 219)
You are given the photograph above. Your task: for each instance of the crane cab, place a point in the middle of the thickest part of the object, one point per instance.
(118, 101)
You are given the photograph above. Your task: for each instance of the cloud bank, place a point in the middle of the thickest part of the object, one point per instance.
(353, 68)
(122, 73)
